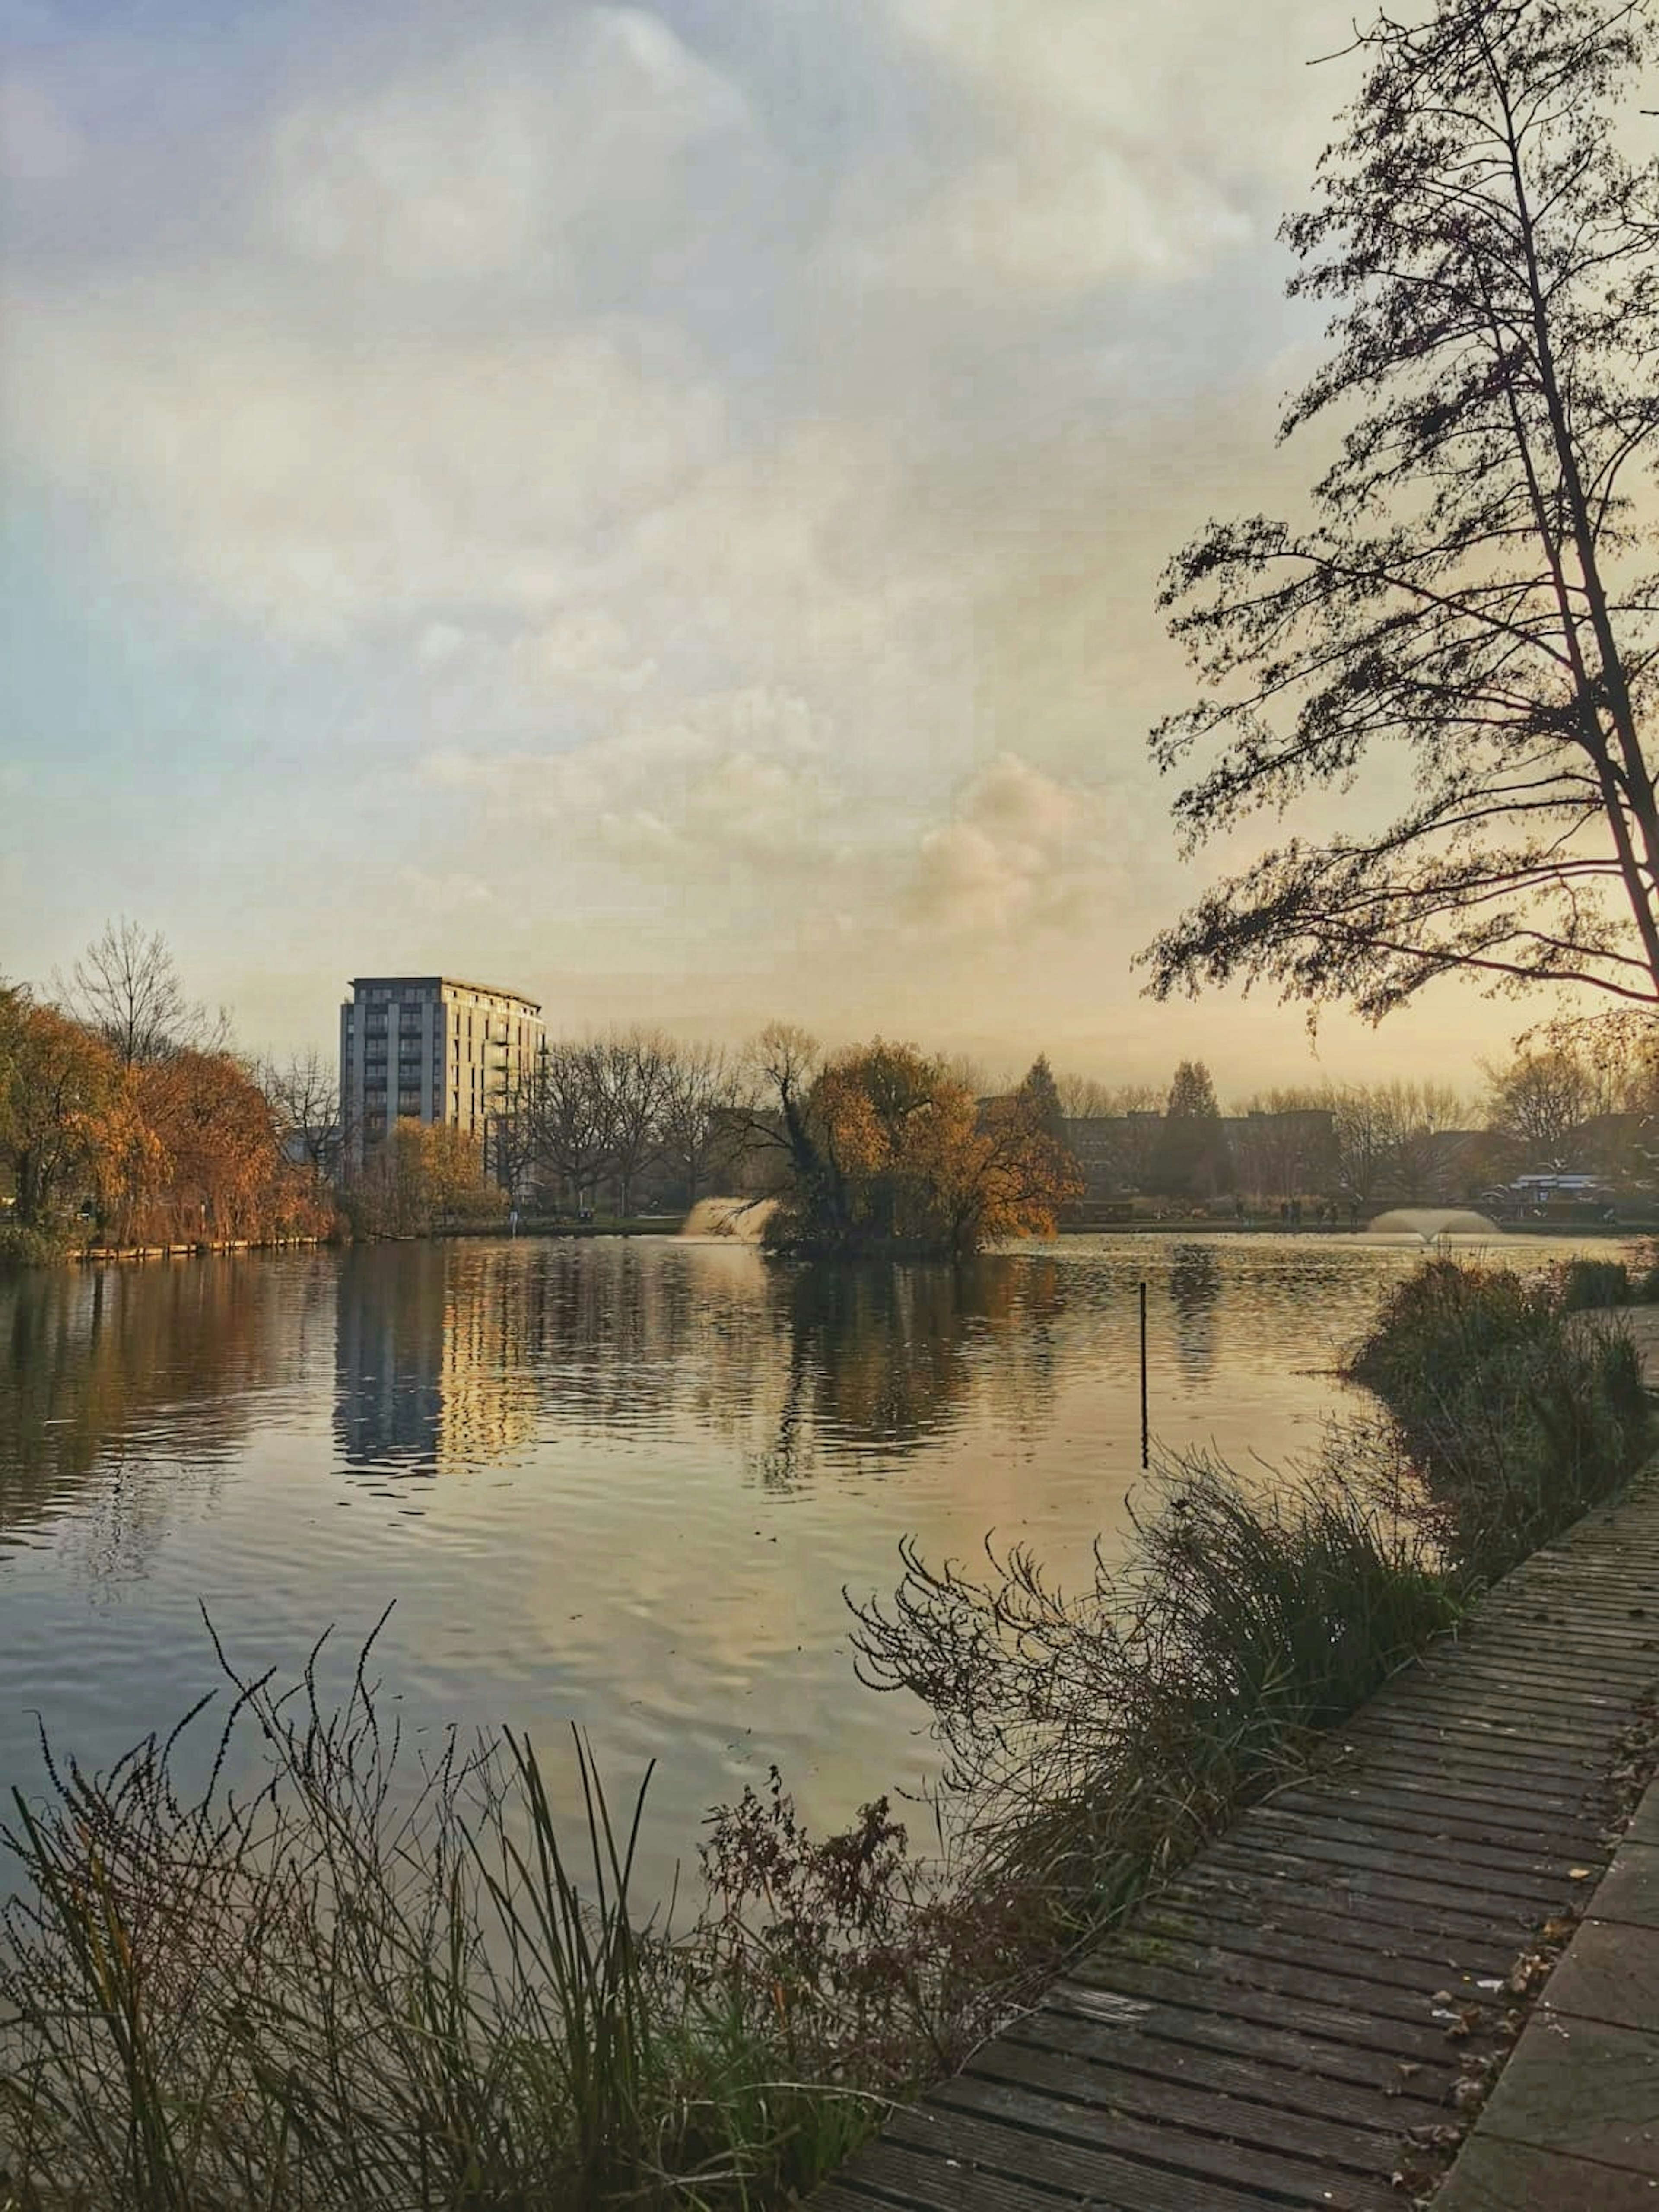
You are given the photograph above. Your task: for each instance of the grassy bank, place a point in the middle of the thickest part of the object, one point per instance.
(381, 1980)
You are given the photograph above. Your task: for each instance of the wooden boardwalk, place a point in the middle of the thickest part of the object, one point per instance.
(1289, 2024)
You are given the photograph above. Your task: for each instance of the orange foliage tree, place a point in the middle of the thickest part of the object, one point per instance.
(217, 1168)
(421, 1176)
(889, 1152)
(67, 1125)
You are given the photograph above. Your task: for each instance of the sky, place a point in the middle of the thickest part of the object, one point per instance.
(656, 506)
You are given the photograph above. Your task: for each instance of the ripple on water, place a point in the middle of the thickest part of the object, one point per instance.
(616, 1484)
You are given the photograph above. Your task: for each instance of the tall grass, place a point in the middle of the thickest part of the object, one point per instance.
(352, 1989)
(1094, 1740)
(381, 1981)
(1517, 1422)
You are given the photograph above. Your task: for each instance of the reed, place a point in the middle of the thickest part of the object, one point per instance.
(355, 1987)
(382, 1980)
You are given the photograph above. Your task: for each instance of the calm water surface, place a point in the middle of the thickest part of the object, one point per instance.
(618, 1483)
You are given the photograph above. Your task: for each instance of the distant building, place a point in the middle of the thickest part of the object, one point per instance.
(430, 1048)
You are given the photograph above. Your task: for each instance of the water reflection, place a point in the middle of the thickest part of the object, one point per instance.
(622, 1484)
(431, 1354)
(885, 1361)
(104, 1369)
(449, 1357)
(1195, 1294)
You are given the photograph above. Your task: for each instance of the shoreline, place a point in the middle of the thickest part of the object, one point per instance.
(670, 1225)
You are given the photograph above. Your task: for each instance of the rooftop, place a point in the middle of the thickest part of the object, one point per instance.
(443, 983)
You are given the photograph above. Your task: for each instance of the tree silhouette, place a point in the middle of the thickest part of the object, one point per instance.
(1191, 1159)
(1472, 587)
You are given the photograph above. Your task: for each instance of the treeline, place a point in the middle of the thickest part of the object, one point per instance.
(875, 1146)
(127, 1117)
(1577, 1098)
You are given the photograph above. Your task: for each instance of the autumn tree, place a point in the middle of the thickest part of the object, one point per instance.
(1469, 591)
(126, 989)
(221, 1171)
(423, 1176)
(1190, 1159)
(888, 1151)
(67, 1126)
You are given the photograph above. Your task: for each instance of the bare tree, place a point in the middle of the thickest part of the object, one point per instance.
(304, 1095)
(127, 989)
(775, 1079)
(1472, 590)
(700, 1100)
(1285, 1142)
(1538, 1100)
(633, 1071)
(1391, 1141)
(573, 1139)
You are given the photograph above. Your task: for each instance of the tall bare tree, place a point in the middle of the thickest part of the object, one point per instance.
(698, 1116)
(1540, 1100)
(573, 1137)
(1472, 588)
(633, 1072)
(304, 1094)
(127, 989)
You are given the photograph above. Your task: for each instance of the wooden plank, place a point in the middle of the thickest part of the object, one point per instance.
(1253, 2000)
(1189, 2106)
(1361, 1961)
(990, 2151)
(1564, 1674)
(1292, 2088)
(1331, 1913)
(1256, 1969)
(1490, 1867)
(1396, 1766)
(1379, 1875)
(1466, 1817)
(897, 2173)
(1512, 1730)
(1180, 2012)
(1467, 1752)
(1174, 2153)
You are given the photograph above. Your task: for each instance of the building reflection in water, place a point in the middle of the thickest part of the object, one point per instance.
(431, 1349)
(450, 1356)
(1195, 1293)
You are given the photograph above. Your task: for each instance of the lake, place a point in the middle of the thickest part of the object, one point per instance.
(616, 1482)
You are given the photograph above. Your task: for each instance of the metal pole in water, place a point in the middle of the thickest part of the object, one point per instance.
(1144, 1433)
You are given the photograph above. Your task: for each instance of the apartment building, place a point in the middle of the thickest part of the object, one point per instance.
(430, 1048)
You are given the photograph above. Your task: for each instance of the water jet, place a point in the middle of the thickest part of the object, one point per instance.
(1430, 1223)
(740, 1220)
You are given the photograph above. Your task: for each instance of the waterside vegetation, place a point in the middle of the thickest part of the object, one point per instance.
(381, 1974)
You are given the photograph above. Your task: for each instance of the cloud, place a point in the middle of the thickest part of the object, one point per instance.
(1023, 851)
(520, 160)
(1091, 147)
(448, 891)
(317, 483)
(713, 479)
(736, 779)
